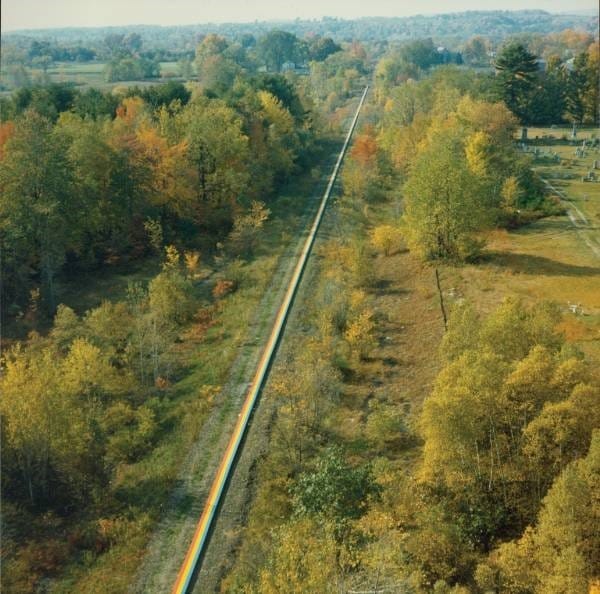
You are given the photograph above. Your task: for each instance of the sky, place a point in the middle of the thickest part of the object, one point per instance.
(40, 14)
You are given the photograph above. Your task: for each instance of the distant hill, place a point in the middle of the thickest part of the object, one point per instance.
(494, 24)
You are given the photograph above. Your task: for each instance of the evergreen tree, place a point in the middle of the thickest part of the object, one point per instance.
(517, 76)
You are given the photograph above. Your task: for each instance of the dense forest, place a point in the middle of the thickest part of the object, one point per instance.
(430, 429)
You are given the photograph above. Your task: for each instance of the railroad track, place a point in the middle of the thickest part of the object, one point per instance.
(194, 555)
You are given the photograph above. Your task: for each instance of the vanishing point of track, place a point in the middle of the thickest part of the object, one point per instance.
(199, 542)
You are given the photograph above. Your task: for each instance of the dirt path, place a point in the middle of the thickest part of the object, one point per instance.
(578, 219)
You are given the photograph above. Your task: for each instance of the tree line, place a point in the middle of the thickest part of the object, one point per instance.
(557, 89)
(127, 58)
(80, 184)
(497, 24)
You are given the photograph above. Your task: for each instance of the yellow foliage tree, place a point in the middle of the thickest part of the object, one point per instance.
(359, 334)
(386, 239)
(304, 561)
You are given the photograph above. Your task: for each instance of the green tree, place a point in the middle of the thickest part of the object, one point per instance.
(517, 75)
(277, 47)
(475, 51)
(582, 88)
(548, 98)
(334, 489)
(95, 104)
(421, 52)
(442, 203)
(322, 47)
(36, 185)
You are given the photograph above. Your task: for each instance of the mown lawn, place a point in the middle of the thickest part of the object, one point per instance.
(566, 170)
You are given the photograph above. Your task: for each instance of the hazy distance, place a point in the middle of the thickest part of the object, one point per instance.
(41, 14)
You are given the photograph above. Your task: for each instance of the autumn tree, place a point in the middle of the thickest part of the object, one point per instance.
(281, 143)
(156, 315)
(217, 153)
(560, 554)
(36, 184)
(387, 239)
(442, 203)
(506, 390)
(306, 392)
(50, 408)
(303, 562)
(247, 226)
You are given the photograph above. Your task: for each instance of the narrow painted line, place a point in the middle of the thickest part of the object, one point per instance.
(199, 540)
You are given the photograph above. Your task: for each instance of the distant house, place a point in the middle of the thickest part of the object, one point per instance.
(287, 67)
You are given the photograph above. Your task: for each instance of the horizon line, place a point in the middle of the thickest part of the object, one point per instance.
(581, 12)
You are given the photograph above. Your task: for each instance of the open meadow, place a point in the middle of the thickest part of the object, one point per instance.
(91, 74)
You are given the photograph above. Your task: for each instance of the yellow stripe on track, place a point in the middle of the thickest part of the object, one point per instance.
(184, 578)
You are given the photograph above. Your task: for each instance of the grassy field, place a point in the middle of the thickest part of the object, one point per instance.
(565, 164)
(554, 258)
(91, 74)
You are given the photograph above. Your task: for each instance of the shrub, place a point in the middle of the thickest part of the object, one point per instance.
(359, 334)
(386, 239)
(222, 288)
(246, 229)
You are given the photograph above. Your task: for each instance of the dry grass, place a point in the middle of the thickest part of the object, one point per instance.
(401, 369)
(544, 261)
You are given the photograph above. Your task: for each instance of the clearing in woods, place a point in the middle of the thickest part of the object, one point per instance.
(555, 258)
